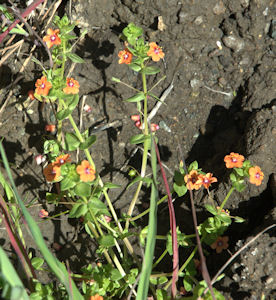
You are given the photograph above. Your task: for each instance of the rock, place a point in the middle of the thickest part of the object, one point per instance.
(233, 42)
(219, 8)
(196, 84)
(198, 20)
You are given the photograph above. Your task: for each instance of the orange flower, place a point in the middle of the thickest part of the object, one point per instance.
(43, 213)
(220, 244)
(234, 160)
(72, 86)
(155, 52)
(62, 159)
(96, 297)
(31, 94)
(207, 179)
(256, 175)
(50, 127)
(52, 38)
(43, 86)
(86, 172)
(192, 180)
(51, 172)
(125, 57)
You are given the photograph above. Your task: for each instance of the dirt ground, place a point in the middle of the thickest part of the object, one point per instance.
(221, 56)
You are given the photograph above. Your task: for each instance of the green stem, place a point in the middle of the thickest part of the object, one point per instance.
(160, 258)
(226, 198)
(147, 210)
(112, 210)
(146, 149)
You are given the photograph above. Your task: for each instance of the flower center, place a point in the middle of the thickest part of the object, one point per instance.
(61, 161)
(156, 51)
(220, 243)
(206, 180)
(87, 171)
(71, 84)
(234, 160)
(52, 38)
(257, 175)
(42, 85)
(126, 56)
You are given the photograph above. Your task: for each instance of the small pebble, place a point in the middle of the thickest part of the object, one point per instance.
(219, 8)
(198, 20)
(196, 84)
(234, 43)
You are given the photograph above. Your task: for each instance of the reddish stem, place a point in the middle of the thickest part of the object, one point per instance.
(24, 14)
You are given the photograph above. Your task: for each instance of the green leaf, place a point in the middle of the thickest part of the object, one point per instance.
(71, 142)
(78, 210)
(193, 166)
(115, 275)
(211, 209)
(181, 190)
(74, 102)
(139, 138)
(67, 183)
(110, 185)
(239, 171)
(224, 218)
(98, 207)
(88, 142)
(107, 241)
(158, 280)
(151, 70)
(115, 79)
(162, 295)
(188, 283)
(239, 220)
(63, 114)
(37, 262)
(136, 98)
(75, 58)
(239, 186)
(135, 67)
(82, 189)
(233, 177)
(143, 235)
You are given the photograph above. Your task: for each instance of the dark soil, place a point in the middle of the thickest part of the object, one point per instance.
(224, 100)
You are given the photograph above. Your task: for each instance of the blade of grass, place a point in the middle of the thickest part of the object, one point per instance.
(10, 277)
(143, 286)
(172, 225)
(56, 266)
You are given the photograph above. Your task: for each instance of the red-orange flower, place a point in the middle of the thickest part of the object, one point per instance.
(43, 213)
(50, 127)
(256, 175)
(86, 171)
(125, 57)
(72, 86)
(207, 179)
(220, 244)
(234, 160)
(51, 172)
(192, 180)
(96, 297)
(155, 52)
(43, 86)
(62, 159)
(52, 38)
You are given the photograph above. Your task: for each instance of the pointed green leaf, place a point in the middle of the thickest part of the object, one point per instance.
(88, 142)
(82, 189)
(136, 98)
(138, 139)
(107, 241)
(63, 114)
(75, 58)
(151, 70)
(71, 141)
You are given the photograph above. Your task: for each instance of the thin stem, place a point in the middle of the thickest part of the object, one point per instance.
(147, 210)
(226, 198)
(146, 149)
(160, 258)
